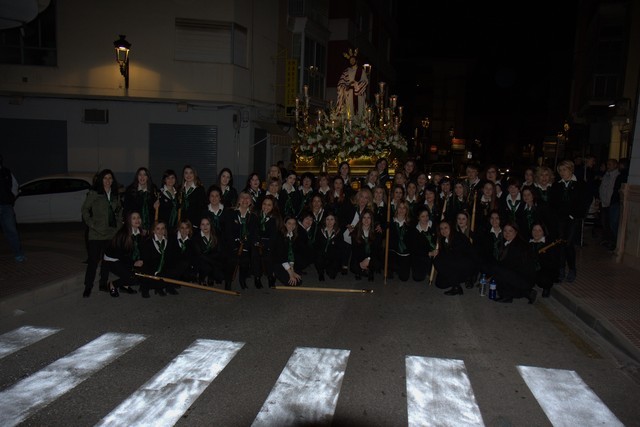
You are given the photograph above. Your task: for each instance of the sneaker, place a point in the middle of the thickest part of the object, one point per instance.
(571, 276)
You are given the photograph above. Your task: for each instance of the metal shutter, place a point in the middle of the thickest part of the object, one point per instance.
(174, 146)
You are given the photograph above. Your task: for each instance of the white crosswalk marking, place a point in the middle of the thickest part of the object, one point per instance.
(168, 395)
(566, 399)
(35, 392)
(22, 337)
(439, 393)
(307, 389)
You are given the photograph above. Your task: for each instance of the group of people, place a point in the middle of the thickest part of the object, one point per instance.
(278, 228)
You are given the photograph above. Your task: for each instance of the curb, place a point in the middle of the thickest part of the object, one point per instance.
(592, 319)
(45, 293)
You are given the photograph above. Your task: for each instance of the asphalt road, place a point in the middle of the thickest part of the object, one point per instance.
(371, 337)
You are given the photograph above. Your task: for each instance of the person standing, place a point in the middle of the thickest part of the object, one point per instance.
(8, 193)
(100, 211)
(609, 188)
(567, 200)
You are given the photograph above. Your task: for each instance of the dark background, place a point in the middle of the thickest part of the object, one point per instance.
(518, 87)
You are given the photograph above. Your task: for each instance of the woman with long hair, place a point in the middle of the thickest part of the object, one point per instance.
(329, 248)
(215, 209)
(157, 257)
(399, 244)
(168, 198)
(269, 225)
(123, 254)
(254, 189)
(545, 255)
(192, 196)
(142, 196)
(422, 242)
(207, 251)
(455, 259)
(366, 247)
(101, 212)
(180, 244)
(285, 267)
(225, 183)
(514, 271)
(486, 202)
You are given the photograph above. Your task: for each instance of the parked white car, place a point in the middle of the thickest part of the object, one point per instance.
(53, 198)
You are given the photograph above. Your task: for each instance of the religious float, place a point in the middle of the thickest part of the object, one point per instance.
(350, 130)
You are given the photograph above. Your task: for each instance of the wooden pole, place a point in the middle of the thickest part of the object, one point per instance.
(342, 290)
(473, 211)
(187, 284)
(386, 246)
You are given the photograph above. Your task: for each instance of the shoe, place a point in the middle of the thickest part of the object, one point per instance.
(505, 300)
(258, 283)
(344, 271)
(455, 290)
(243, 284)
(87, 292)
(172, 291)
(128, 290)
(532, 296)
(114, 292)
(145, 293)
(546, 293)
(571, 276)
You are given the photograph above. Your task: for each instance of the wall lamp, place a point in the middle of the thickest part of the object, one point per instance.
(122, 57)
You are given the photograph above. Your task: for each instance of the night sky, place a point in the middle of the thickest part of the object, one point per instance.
(520, 80)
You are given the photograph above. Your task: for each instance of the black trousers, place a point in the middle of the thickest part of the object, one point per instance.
(95, 252)
(400, 265)
(569, 230)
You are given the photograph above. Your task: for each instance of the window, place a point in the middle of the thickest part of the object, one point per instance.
(314, 73)
(70, 185)
(33, 43)
(43, 186)
(210, 41)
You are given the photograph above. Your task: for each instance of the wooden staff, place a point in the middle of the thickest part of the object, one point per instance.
(343, 290)
(386, 246)
(550, 245)
(239, 254)
(187, 284)
(473, 211)
(179, 196)
(432, 275)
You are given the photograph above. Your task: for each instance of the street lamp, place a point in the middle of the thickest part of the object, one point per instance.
(123, 47)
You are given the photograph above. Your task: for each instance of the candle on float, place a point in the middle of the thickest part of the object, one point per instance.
(393, 100)
(381, 86)
(377, 96)
(297, 102)
(400, 109)
(306, 91)
(319, 116)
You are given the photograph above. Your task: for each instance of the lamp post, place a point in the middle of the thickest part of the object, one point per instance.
(123, 47)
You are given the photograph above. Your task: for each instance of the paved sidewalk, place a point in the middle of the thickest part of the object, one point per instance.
(606, 295)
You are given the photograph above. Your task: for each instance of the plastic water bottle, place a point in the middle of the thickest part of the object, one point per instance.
(483, 285)
(493, 290)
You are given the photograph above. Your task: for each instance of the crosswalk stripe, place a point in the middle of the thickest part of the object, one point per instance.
(307, 389)
(22, 337)
(167, 396)
(439, 393)
(566, 399)
(40, 389)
